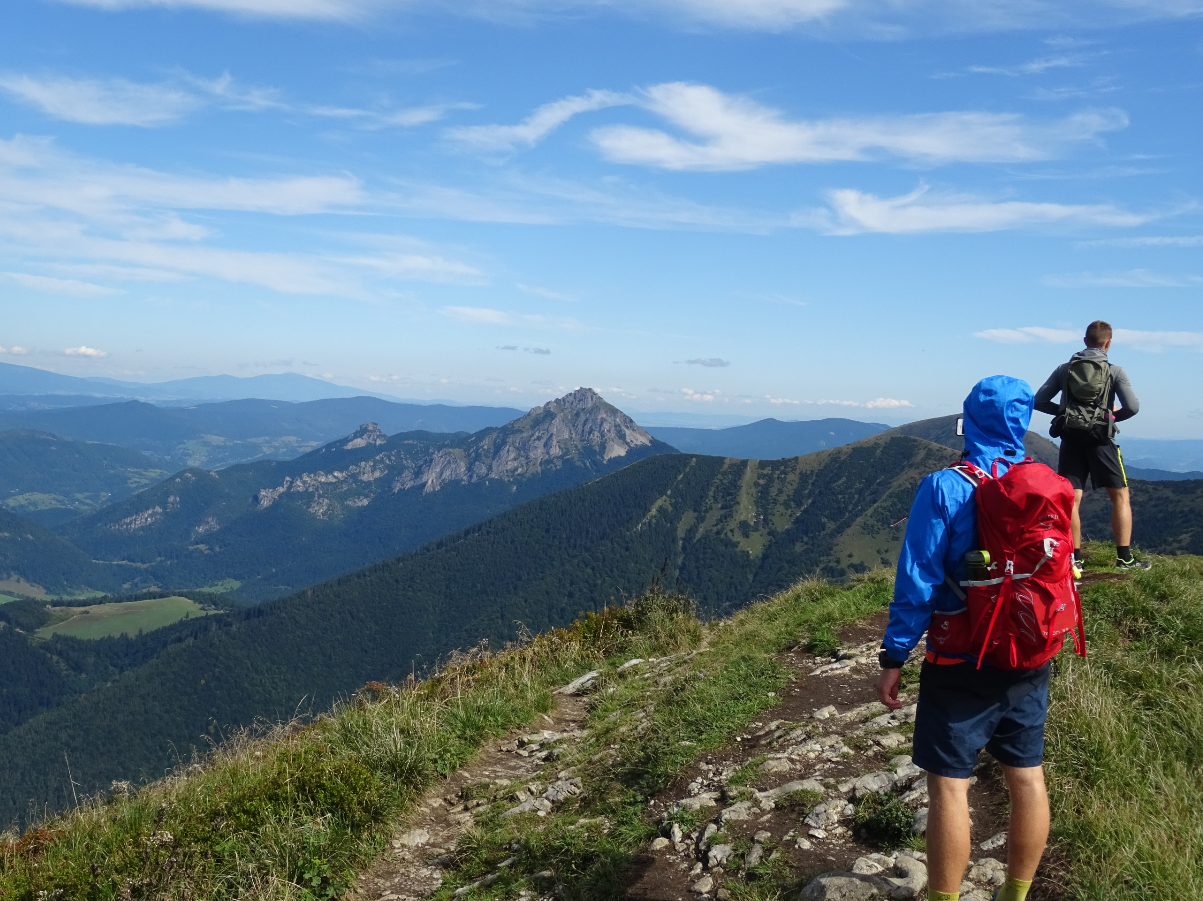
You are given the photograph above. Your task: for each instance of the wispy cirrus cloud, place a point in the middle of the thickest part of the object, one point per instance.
(58, 285)
(725, 132)
(730, 133)
(489, 316)
(93, 101)
(1132, 278)
(855, 212)
(1147, 241)
(1152, 341)
(117, 101)
(538, 125)
(536, 291)
(709, 362)
(1031, 67)
(880, 19)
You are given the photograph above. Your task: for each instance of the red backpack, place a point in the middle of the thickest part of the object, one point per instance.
(1018, 615)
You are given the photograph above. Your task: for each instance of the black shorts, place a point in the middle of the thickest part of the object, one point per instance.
(1080, 456)
(963, 709)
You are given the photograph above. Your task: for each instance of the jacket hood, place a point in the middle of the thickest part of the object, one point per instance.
(997, 413)
(1090, 353)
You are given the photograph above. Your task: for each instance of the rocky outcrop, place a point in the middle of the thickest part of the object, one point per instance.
(579, 427)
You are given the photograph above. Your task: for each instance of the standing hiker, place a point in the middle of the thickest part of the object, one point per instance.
(1085, 421)
(984, 680)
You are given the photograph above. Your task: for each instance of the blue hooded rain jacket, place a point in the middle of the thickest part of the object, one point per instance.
(943, 521)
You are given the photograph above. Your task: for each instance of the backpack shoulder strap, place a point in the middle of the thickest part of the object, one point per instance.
(969, 472)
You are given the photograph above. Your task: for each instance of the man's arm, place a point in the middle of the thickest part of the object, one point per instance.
(1125, 394)
(920, 569)
(1051, 388)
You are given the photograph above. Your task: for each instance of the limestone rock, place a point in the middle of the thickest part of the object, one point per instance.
(719, 855)
(988, 871)
(845, 887)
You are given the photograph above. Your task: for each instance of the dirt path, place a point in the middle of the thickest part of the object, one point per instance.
(412, 866)
(829, 743)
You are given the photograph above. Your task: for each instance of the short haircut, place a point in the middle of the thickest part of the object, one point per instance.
(1098, 333)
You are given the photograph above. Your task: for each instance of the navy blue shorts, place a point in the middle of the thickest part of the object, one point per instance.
(963, 710)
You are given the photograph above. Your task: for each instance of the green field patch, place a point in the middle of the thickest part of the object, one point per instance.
(7, 598)
(122, 618)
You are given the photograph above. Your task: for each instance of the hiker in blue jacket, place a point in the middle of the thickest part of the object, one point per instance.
(962, 709)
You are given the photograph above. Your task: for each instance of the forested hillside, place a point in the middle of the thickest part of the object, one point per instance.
(726, 531)
(1167, 516)
(278, 526)
(49, 479)
(34, 560)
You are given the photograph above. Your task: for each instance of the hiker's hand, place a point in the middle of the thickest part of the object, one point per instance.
(887, 688)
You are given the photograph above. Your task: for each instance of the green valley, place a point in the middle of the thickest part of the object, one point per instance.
(120, 618)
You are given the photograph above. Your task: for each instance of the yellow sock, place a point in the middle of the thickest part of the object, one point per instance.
(933, 895)
(1013, 890)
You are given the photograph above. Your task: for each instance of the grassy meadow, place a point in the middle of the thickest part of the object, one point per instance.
(121, 618)
(294, 811)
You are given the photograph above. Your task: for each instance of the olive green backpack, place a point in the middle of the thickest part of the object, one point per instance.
(1084, 400)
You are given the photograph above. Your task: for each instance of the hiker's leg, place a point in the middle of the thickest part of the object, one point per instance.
(1076, 519)
(1121, 516)
(947, 832)
(1028, 830)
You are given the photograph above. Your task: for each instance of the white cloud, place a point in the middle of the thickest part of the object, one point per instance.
(15, 350)
(887, 403)
(1154, 342)
(343, 10)
(738, 133)
(1028, 334)
(58, 285)
(1032, 67)
(84, 351)
(709, 362)
(479, 315)
(1148, 241)
(537, 125)
(89, 101)
(1133, 278)
(536, 291)
(418, 266)
(881, 19)
(855, 212)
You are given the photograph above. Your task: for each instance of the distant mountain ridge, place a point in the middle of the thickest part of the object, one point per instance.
(943, 430)
(221, 434)
(278, 526)
(288, 386)
(767, 439)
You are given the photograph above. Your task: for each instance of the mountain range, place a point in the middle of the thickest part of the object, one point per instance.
(275, 526)
(723, 530)
(220, 434)
(768, 439)
(290, 386)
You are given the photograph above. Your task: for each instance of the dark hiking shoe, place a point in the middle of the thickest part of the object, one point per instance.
(1132, 565)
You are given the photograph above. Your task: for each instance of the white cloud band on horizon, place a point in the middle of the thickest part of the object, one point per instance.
(84, 351)
(1151, 341)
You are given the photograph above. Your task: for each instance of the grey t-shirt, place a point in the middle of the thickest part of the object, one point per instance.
(1121, 388)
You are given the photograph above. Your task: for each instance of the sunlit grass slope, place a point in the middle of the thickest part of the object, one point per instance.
(121, 618)
(1126, 738)
(294, 812)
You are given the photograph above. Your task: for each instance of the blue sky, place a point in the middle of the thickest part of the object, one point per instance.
(791, 208)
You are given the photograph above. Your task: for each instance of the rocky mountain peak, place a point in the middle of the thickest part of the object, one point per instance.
(368, 433)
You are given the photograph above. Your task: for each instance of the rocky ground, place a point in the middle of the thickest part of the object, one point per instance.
(824, 793)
